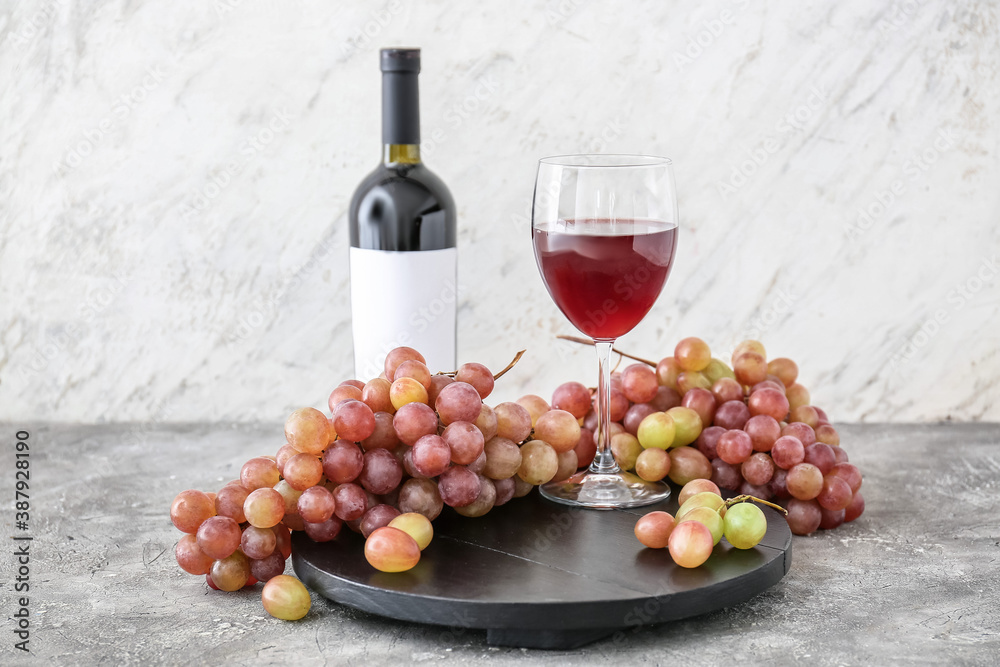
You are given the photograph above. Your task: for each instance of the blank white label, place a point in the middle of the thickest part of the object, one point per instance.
(403, 298)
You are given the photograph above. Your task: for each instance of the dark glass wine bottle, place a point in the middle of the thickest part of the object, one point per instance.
(403, 257)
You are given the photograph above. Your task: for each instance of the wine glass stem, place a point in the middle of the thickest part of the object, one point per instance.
(604, 462)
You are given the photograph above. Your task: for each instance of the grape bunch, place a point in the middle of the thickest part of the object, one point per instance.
(384, 463)
(748, 428)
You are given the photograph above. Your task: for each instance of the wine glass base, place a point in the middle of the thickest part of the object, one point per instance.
(605, 491)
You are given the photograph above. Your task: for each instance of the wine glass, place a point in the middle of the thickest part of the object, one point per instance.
(604, 229)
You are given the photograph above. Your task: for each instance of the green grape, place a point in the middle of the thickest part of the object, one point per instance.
(652, 464)
(710, 518)
(708, 499)
(718, 369)
(286, 598)
(687, 425)
(745, 525)
(626, 448)
(539, 462)
(657, 430)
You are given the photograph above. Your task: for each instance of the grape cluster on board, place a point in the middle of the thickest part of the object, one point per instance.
(748, 427)
(395, 451)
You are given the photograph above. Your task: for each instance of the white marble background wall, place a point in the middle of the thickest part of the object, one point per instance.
(174, 178)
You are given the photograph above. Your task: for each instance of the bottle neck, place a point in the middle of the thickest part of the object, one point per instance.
(401, 154)
(401, 112)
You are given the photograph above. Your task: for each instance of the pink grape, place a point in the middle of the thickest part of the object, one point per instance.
(708, 441)
(586, 448)
(504, 491)
(804, 516)
(353, 420)
(503, 458)
(734, 446)
(770, 402)
(413, 421)
(732, 415)
(341, 394)
(572, 397)
(758, 469)
(478, 376)
(805, 481)
(229, 502)
(667, 372)
(420, 496)
(763, 491)
(376, 396)
(727, 389)
(376, 517)
(438, 382)
(558, 428)
(701, 401)
(487, 422)
(666, 398)
(635, 415)
(484, 501)
(325, 531)
(763, 430)
(639, 383)
(821, 456)
(458, 486)
(459, 401)
(342, 462)
(856, 508)
(431, 455)
(513, 421)
(316, 504)
(350, 501)
(806, 414)
(726, 475)
(303, 471)
(384, 436)
(849, 473)
(411, 368)
(465, 440)
(830, 519)
(190, 556)
(787, 452)
(398, 356)
(779, 484)
(219, 536)
(258, 543)
(835, 494)
(265, 569)
(382, 472)
(258, 473)
(190, 509)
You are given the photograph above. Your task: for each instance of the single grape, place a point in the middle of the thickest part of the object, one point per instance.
(804, 481)
(353, 420)
(398, 356)
(830, 519)
(211, 584)
(459, 401)
(692, 354)
(779, 484)
(264, 508)
(484, 500)
(285, 452)
(758, 469)
(478, 376)
(768, 384)
(376, 396)
(325, 531)
(514, 421)
(821, 456)
(727, 389)
(768, 401)
(849, 473)
(190, 509)
(558, 428)
(689, 380)
(687, 425)
(420, 496)
(750, 368)
(268, 568)
(290, 495)
(503, 458)
(521, 488)
(568, 465)
(686, 464)
(487, 422)
(572, 397)
(835, 495)
(343, 462)
(315, 505)
(787, 452)
(341, 394)
(635, 415)
(716, 370)
(732, 415)
(806, 414)
(827, 435)
(690, 544)
(539, 462)
(626, 449)
(708, 441)
(384, 436)
(350, 501)
(231, 573)
(709, 518)
(696, 486)
(667, 371)
(797, 395)
(804, 516)
(786, 370)
(665, 399)
(653, 529)
(479, 465)
(416, 526)
(763, 430)
(701, 401)
(411, 368)
(734, 446)
(586, 448)
(190, 556)
(258, 473)
(218, 537)
(656, 431)
(354, 383)
(505, 489)
(391, 550)
(258, 542)
(308, 431)
(465, 440)
(754, 346)
(725, 475)
(438, 382)
(535, 405)
(458, 486)
(745, 525)
(413, 421)
(303, 471)
(856, 508)
(283, 540)
(405, 391)
(639, 383)
(652, 464)
(382, 472)
(839, 454)
(286, 598)
(376, 517)
(618, 405)
(431, 455)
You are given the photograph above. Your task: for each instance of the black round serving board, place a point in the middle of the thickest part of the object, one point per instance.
(536, 574)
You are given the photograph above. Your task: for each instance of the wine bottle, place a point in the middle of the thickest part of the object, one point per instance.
(403, 256)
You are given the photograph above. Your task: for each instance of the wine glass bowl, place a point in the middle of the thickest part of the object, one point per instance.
(604, 231)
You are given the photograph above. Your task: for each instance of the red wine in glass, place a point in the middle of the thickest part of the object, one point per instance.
(605, 275)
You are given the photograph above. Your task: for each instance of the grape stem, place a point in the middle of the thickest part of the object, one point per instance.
(587, 341)
(496, 376)
(744, 498)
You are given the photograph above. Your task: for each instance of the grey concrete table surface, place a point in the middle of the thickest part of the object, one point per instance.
(916, 580)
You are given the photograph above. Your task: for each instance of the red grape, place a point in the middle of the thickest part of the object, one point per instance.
(725, 475)
(384, 436)
(376, 396)
(376, 517)
(218, 537)
(431, 455)
(787, 452)
(701, 401)
(638, 383)
(465, 440)
(342, 462)
(835, 495)
(190, 556)
(804, 516)
(413, 421)
(420, 496)
(804, 481)
(459, 401)
(708, 441)
(325, 531)
(572, 397)
(856, 508)
(758, 469)
(734, 446)
(458, 486)
(478, 376)
(732, 415)
(768, 401)
(849, 473)
(821, 456)
(727, 389)
(350, 501)
(382, 472)
(190, 509)
(398, 356)
(316, 505)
